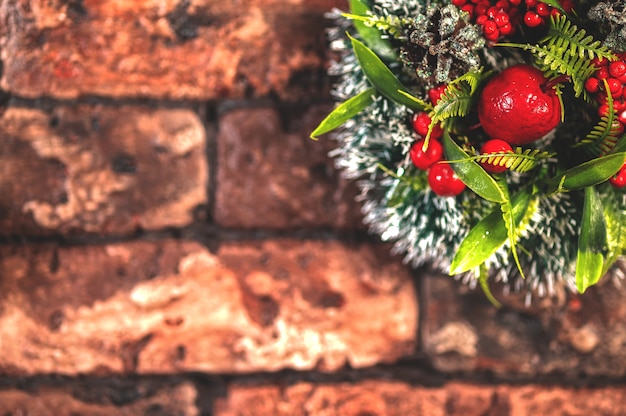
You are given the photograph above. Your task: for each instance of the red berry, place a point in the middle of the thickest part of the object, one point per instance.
(622, 117)
(494, 146)
(518, 106)
(443, 181)
(501, 18)
(619, 179)
(481, 10)
(425, 159)
(459, 3)
(515, 2)
(434, 94)
(603, 110)
(490, 27)
(481, 19)
(421, 124)
(506, 29)
(602, 73)
(615, 87)
(592, 85)
(543, 10)
(532, 19)
(599, 61)
(469, 9)
(617, 69)
(531, 3)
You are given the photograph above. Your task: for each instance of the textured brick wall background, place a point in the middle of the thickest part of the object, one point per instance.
(174, 244)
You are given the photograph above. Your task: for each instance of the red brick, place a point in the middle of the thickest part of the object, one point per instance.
(391, 398)
(100, 169)
(272, 177)
(59, 401)
(201, 49)
(571, 335)
(175, 307)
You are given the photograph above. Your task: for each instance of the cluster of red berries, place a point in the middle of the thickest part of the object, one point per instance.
(614, 73)
(500, 17)
(441, 177)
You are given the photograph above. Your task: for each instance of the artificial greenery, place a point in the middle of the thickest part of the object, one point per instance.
(552, 219)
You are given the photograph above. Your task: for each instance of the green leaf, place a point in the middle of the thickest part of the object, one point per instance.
(370, 35)
(471, 173)
(344, 112)
(587, 174)
(381, 77)
(488, 235)
(510, 223)
(482, 274)
(591, 242)
(615, 221)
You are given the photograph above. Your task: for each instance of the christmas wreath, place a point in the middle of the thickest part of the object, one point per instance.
(487, 136)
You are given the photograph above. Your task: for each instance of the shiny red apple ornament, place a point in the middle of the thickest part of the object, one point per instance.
(519, 105)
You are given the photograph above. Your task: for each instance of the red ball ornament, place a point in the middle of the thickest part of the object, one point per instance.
(519, 105)
(425, 159)
(443, 181)
(495, 146)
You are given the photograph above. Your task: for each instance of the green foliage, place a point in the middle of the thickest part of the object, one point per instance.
(344, 112)
(567, 50)
(471, 173)
(371, 35)
(586, 174)
(603, 138)
(520, 160)
(615, 221)
(457, 100)
(393, 25)
(591, 242)
(381, 77)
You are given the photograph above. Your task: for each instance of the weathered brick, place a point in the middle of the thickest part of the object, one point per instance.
(100, 169)
(571, 335)
(173, 306)
(272, 176)
(397, 398)
(177, 49)
(137, 399)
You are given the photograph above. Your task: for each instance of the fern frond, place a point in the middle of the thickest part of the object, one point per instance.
(603, 138)
(567, 50)
(472, 78)
(565, 36)
(520, 160)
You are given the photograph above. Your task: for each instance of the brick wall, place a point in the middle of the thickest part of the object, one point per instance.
(174, 244)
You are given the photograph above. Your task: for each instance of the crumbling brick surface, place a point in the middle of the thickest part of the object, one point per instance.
(97, 169)
(175, 307)
(174, 49)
